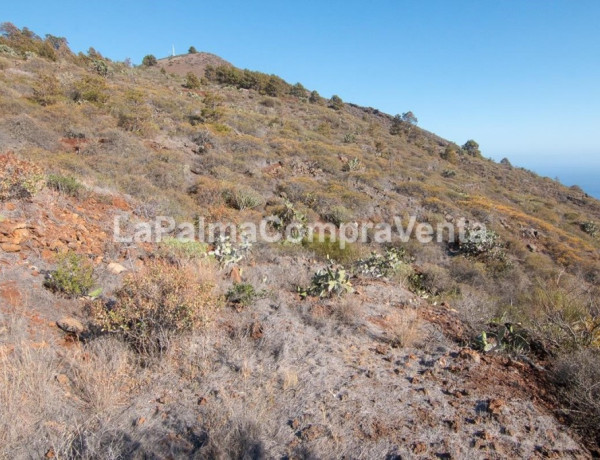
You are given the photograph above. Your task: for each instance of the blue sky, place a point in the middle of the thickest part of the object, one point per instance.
(520, 77)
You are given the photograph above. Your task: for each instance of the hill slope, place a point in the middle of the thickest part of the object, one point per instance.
(399, 366)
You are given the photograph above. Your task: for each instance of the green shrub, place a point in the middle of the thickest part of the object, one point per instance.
(241, 295)
(275, 86)
(91, 89)
(212, 111)
(349, 138)
(330, 249)
(64, 184)
(191, 81)
(182, 251)
(192, 50)
(451, 153)
(73, 276)
(242, 198)
(314, 97)
(298, 90)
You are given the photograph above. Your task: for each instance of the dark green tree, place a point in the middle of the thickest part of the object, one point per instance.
(149, 60)
(397, 125)
(298, 90)
(192, 50)
(314, 97)
(336, 102)
(472, 148)
(275, 86)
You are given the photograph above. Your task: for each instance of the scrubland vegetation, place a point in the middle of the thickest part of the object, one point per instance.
(237, 145)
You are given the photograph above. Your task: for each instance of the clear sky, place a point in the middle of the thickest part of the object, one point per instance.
(521, 77)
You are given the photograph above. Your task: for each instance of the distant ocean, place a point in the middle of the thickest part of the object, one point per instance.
(588, 180)
(586, 176)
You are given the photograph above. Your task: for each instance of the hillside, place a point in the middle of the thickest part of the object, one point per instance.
(479, 346)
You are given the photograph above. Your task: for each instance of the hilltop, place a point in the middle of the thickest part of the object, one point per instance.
(480, 347)
(195, 63)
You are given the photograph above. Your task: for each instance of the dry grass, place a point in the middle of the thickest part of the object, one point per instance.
(49, 398)
(577, 376)
(405, 329)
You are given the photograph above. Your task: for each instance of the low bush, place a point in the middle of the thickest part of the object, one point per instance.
(191, 81)
(331, 249)
(182, 251)
(90, 89)
(577, 378)
(483, 243)
(156, 303)
(352, 165)
(46, 90)
(73, 276)
(64, 184)
(563, 315)
(242, 198)
(337, 215)
(100, 67)
(241, 295)
(591, 228)
(336, 102)
(405, 328)
(18, 178)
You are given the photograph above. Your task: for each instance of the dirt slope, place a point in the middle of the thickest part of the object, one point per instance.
(283, 379)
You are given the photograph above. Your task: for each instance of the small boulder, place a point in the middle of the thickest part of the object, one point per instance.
(115, 268)
(469, 355)
(71, 325)
(495, 406)
(235, 275)
(10, 247)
